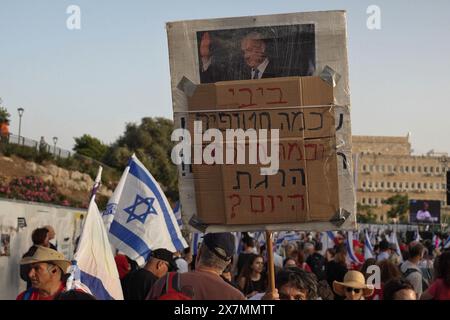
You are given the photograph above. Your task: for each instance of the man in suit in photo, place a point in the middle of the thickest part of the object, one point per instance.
(257, 64)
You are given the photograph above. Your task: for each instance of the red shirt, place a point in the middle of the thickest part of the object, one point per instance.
(36, 296)
(123, 267)
(439, 290)
(305, 267)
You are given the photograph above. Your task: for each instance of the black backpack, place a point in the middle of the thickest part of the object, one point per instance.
(425, 279)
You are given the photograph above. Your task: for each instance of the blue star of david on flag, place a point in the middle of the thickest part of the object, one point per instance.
(110, 209)
(148, 202)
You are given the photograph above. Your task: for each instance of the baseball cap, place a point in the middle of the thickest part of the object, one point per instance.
(222, 244)
(165, 255)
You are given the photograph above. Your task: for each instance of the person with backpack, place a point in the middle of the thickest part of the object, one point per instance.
(205, 282)
(410, 268)
(137, 284)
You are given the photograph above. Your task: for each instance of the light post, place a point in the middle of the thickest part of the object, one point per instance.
(20, 110)
(55, 140)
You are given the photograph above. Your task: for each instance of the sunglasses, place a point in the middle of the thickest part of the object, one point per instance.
(348, 289)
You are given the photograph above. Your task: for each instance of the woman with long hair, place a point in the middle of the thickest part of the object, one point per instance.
(337, 268)
(251, 280)
(440, 288)
(301, 261)
(388, 271)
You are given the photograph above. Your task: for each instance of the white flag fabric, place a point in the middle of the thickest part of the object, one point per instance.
(368, 248)
(94, 257)
(397, 246)
(447, 243)
(111, 207)
(350, 250)
(143, 219)
(197, 239)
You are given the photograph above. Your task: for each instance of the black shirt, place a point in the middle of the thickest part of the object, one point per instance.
(335, 272)
(137, 284)
(242, 261)
(258, 286)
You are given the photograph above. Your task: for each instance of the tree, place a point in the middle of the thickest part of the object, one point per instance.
(365, 213)
(91, 147)
(4, 115)
(151, 142)
(399, 207)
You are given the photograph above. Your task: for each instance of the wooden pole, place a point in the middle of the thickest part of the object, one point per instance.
(270, 261)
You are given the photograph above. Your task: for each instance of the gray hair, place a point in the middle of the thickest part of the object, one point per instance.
(209, 259)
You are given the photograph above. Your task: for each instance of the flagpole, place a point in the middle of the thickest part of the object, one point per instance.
(270, 261)
(97, 183)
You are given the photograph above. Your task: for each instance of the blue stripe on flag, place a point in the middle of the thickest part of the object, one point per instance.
(96, 286)
(447, 243)
(140, 174)
(330, 235)
(350, 251)
(195, 243)
(131, 239)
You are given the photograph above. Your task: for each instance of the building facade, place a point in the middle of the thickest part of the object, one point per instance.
(385, 166)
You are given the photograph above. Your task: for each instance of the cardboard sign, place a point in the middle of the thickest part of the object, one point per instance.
(217, 55)
(305, 187)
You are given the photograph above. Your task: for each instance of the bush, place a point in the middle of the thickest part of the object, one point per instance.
(34, 189)
(24, 152)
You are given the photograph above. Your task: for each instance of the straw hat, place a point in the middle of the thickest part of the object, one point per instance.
(353, 279)
(44, 254)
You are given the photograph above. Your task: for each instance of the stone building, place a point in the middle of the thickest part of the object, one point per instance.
(385, 166)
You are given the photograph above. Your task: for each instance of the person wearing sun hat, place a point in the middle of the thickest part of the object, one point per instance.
(353, 287)
(47, 272)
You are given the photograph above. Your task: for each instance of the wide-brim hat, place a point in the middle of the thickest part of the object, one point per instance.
(44, 254)
(353, 279)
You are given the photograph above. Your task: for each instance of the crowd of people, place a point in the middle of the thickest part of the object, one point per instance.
(304, 270)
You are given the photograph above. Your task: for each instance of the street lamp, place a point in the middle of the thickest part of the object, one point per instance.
(20, 110)
(55, 140)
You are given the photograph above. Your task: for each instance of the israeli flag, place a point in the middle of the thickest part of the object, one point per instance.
(417, 237)
(197, 239)
(350, 251)
(327, 239)
(368, 248)
(143, 219)
(95, 267)
(394, 240)
(260, 238)
(287, 236)
(238, 242)
(111, 207)
(447, 243)
(177, 212)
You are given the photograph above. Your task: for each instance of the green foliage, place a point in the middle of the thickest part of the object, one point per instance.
(151, 142)
(23, 152)
(91, 147)
(4, 115)
(399, 207)
(365, 213)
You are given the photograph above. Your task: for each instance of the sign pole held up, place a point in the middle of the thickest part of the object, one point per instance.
(270, 261)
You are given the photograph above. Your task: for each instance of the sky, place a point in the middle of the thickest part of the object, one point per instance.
(115, 69)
